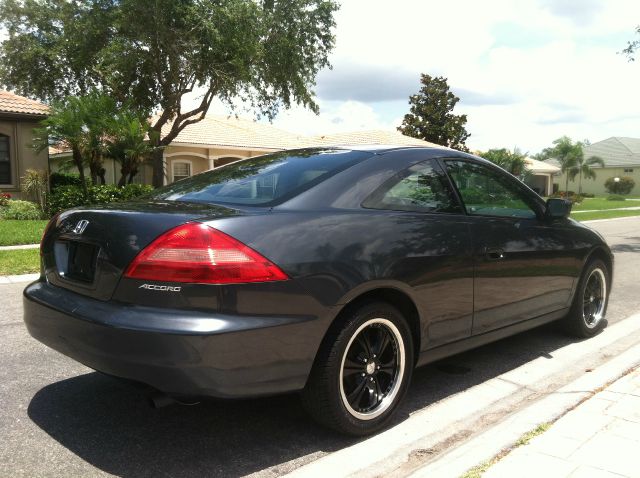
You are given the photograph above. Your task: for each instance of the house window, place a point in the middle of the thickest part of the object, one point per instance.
(5, 160)
(181, 170)
(628, 170)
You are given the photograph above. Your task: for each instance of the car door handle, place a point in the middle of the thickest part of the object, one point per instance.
(494, 254)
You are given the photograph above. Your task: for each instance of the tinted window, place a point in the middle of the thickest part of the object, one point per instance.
(420, 188)
(489, 193)
(264, 180)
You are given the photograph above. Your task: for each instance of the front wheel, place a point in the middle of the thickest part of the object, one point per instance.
(362, 371)
(587, 315)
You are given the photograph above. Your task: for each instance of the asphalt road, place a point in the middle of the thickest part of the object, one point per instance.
(58, 418)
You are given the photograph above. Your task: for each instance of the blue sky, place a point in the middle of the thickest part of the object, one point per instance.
(527, 71)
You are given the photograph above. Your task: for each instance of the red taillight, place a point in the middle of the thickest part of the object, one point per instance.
(201, 254)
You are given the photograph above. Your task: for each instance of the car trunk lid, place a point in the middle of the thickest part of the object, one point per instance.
(87, 250)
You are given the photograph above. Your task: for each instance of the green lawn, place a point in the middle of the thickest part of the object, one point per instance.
(21, 261)
(588, 216)
(20, 232)
(603, 203)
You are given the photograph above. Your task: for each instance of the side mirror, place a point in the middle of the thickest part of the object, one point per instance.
(558, 208)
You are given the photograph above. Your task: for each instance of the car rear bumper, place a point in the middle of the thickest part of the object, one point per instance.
(185, 353)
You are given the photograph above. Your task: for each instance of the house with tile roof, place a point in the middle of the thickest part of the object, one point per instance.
(219, 140)
(621, 156)
(18, 118)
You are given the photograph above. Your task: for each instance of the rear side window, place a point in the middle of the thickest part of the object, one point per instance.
(262, 181)
(421, 188)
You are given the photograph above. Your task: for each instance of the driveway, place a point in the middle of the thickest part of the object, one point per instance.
(59, 418)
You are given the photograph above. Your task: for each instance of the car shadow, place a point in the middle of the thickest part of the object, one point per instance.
(109, 423)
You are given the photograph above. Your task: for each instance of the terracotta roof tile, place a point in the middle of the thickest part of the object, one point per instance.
(10, 103)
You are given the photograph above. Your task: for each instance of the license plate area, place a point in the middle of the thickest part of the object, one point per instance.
(76, 260)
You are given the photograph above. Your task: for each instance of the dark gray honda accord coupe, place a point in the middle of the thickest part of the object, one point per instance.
(329, 271)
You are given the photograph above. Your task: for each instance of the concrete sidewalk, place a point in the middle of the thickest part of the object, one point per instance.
(599, 438)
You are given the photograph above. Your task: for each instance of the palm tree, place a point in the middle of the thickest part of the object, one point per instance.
(511, 161)
(64, 127)
(566, 153)
(127, 143)
(584, 168)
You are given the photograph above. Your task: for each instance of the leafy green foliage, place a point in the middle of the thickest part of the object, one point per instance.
(58, 179)
(430, 116)
(66, 197)
(624, 185)
(16, 209)
(266, 53)
(126, 143)
(34, 183)
(511, 161)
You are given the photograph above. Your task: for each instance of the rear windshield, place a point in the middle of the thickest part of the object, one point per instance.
(263, 180)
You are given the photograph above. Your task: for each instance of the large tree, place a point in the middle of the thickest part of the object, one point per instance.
(266, 53)
(431, 115)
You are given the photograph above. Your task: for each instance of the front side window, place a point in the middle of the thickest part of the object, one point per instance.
(489, 193)
(5, 160)
(421, 188)
(181, 170)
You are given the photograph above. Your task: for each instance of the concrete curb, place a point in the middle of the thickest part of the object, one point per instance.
(18, 278)
(22, 246)
(487, 445)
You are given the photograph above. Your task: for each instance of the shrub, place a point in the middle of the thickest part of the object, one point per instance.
(571, 196)
(34, 183)
(588, 195)
(616, 197)
(21, 210)
(4, 199)
(67, 197)
(63, 179)
(624, 185)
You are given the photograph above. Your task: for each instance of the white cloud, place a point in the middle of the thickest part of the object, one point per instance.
(527, 71)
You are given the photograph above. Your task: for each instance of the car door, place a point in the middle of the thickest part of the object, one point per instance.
(431, 250)
(523, 264)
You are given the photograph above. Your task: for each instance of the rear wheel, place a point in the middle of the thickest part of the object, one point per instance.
(587, 315)
(362, 371)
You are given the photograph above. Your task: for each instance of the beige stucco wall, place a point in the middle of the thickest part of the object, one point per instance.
(23, 156)
(596, 186)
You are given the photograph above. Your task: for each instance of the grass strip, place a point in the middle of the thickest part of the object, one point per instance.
(13, 232)
(589, 216)
(22, 261)
(478, 470)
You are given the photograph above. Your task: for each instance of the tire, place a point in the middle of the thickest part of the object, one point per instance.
(362, 371)
(586, 317)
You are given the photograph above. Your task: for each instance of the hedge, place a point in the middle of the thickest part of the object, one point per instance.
(67, 197)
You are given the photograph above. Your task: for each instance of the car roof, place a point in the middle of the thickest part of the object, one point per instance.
(382, 148)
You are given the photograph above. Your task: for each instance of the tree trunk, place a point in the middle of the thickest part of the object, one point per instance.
(580, 183)
(157, 160)
(566, 184)
(77, 159)
(132, 175)
(123, 178)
